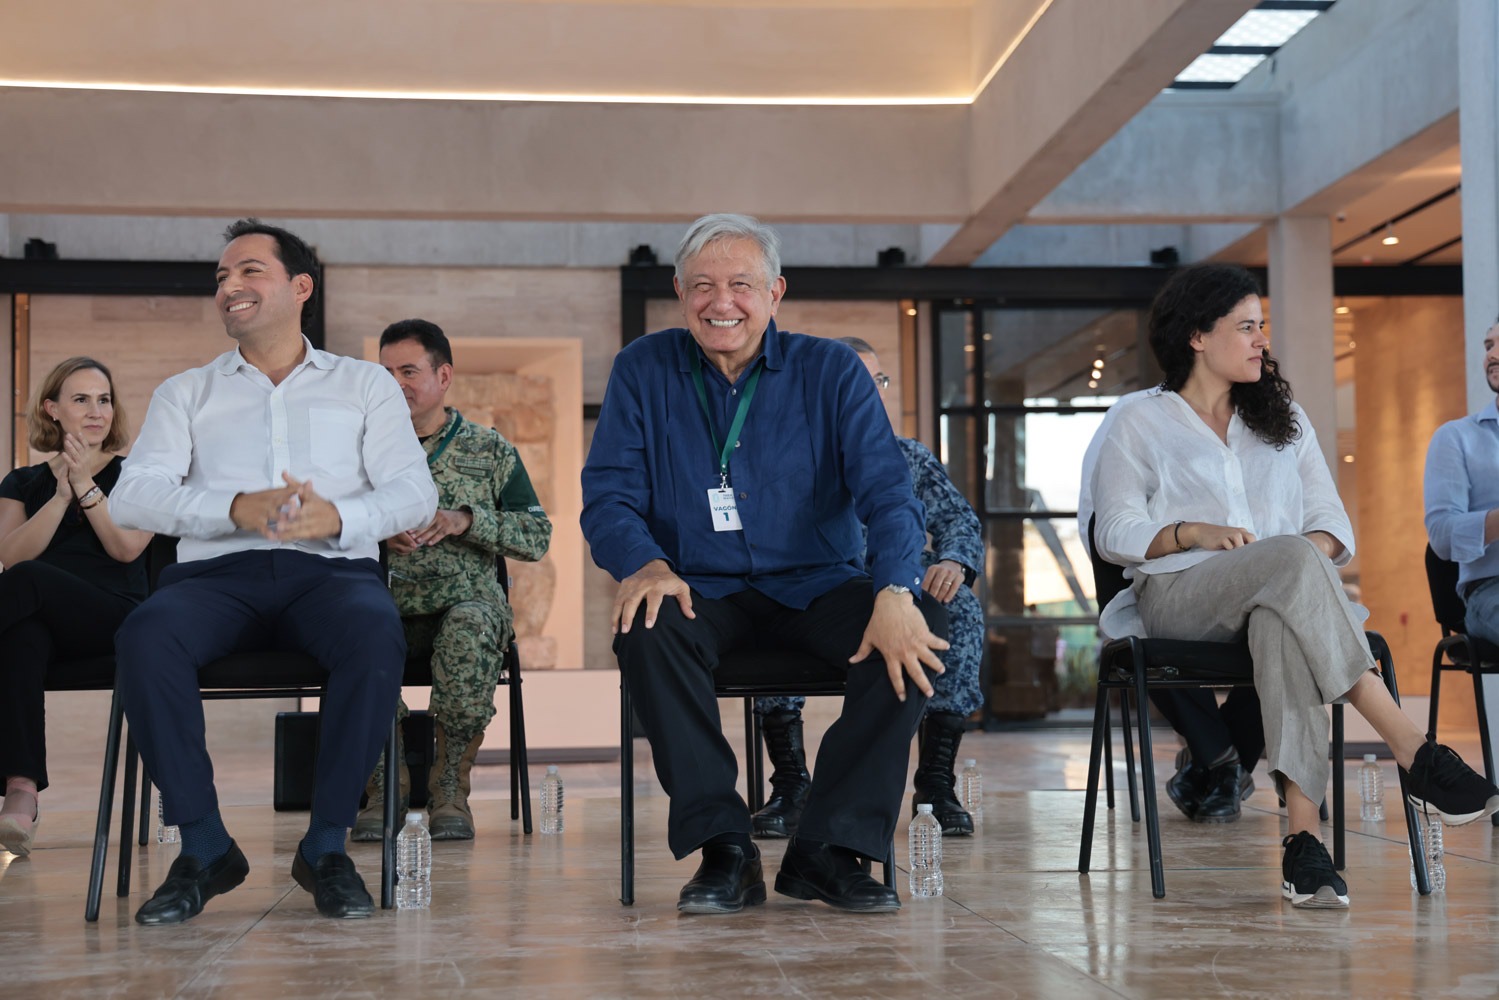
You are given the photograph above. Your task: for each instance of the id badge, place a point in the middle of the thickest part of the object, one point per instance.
(725, 513)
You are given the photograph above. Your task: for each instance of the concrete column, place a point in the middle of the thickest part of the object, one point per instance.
(1478, 122)
(1301, 331)
(1478, 105)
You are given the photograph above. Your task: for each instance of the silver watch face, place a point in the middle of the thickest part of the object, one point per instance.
(896, 588)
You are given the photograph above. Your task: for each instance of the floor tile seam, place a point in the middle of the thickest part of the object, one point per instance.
(1036, 947)
(218, 952)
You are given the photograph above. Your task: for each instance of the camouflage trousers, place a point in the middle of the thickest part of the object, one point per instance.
(466, 644)
(955, 691)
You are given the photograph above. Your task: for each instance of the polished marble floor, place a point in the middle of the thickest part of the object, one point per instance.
(539, 916)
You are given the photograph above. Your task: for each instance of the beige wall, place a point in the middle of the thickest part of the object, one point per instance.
(1408, 378)
(580, 303)
(143, 339)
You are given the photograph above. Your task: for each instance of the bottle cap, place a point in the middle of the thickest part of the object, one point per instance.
(1369, 758)
(970, 762)
(413, 817)
(924, 809)
(551, 769)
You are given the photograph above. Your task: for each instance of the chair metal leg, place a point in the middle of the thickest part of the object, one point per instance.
(890, 866)
(1436, 695)
(520, 751)
(106, 806)
(144, 836)
(1101, 738)
(514, 762)
(626, 797)
(388, 833)
(1414, 833)
(127, 819)
(753, 794)
(1108, 754)
(1129, 750)
(1485, 743)
(1339, 792)
(1147, 780)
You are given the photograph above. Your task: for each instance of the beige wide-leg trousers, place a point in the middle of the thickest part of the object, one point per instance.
(1308, 645)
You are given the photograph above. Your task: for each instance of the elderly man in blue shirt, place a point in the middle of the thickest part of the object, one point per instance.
(730, 472)
(1462, 501)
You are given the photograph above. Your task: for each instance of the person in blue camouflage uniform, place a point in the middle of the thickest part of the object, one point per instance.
(952, 563)
(443, 576)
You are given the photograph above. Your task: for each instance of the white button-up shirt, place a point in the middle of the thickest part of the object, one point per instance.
(217, 431)
(1160, 463)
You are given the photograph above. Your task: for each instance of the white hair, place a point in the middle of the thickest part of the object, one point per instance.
(725, 226)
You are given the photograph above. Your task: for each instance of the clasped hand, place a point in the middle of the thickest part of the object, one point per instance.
(70, 468)
(447, 524)
(286, 513)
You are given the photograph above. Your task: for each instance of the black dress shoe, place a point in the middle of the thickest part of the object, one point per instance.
(335, 885)
(1186, 787)
(1227, 786)
(835, 875)
(189, 885)
(727, 881)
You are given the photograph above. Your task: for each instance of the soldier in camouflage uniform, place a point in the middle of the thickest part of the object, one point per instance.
(952, 563)
(443, 576)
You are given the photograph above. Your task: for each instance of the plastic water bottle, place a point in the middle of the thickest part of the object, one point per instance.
(414, 864)
(924, 841)
(164, 834)
(971, 790)
(1436, 871)
(1370, 790)
(551, 801)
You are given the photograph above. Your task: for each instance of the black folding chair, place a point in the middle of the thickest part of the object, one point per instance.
(1134, 666)
(747, 674)
(1457, 650)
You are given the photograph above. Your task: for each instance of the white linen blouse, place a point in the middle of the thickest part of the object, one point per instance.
(1160, 464)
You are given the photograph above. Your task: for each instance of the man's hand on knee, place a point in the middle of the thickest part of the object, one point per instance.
(651, 583)
(898, 632)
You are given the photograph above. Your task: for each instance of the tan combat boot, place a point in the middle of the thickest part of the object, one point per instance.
(370, 822)
(448, 787)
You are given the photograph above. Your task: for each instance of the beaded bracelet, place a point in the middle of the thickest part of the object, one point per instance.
(91, 499)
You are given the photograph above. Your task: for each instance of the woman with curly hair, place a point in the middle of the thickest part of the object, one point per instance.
(1216, 498)
(71, 573)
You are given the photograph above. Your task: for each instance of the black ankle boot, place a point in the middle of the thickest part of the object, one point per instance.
(934, 781)
(789, 782)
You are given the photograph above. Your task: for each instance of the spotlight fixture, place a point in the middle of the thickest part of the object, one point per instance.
(1390, 239)
(1092, 383)
(643, 256)
(890, 257)
(911, 311)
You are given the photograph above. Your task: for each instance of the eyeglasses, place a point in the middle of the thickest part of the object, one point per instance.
(882, 380)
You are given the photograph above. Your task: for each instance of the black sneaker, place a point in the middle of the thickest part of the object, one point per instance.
(1439, 782)
(1307, 876)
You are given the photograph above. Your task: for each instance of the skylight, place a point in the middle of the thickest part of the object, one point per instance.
(1250, 41)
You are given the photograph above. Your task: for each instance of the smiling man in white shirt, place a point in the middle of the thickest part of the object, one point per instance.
(280, 467)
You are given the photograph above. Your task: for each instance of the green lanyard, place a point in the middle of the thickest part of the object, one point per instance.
(727, 448)
(447, 438)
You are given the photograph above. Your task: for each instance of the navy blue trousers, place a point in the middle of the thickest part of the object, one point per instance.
(339, 611)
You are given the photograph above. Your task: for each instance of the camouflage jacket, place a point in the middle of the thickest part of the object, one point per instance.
(950, 521)
(480, 472)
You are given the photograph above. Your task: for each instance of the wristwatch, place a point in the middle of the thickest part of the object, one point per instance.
(896, 588)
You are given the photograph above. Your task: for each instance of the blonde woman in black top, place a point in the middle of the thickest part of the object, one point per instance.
(71, 574)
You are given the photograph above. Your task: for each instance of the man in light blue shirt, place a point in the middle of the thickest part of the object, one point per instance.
(1462, 501)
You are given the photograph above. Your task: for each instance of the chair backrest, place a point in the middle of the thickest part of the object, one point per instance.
(1108, 579)
(161, 553)
(1441, 577)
